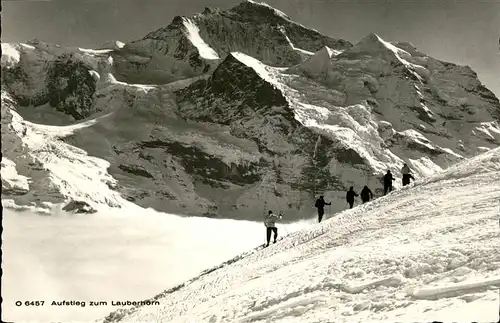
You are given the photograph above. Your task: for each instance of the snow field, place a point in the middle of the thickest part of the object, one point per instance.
(73, 172)
(12, 179)
(193, 34)
(10, 55)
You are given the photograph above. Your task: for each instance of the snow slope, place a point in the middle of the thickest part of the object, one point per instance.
(193, 34)
(423, 253)
(112, 44)
(113, 255)
(39, 163)
(10, 55)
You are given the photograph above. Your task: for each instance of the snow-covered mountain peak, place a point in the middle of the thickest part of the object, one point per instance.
(371, 38)
(195, 44)
(259, 10)
(239, 68)
(240, 89)
(317, 64)
(65, 77)
(373, 45)
(10, 55)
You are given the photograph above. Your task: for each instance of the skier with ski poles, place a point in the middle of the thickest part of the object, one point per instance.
(350, 197)
(366, 194)
(388, 179)
(320, 205)
(270, 223)
(405, 171)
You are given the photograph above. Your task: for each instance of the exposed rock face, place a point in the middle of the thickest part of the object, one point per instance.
(232, 136)
(24, 177)
(79, 207)
(49, 74)
(71, 87)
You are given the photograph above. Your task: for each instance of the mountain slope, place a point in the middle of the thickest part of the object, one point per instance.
(244, 136)
(438, 263)
(40, 75)
(40, 170)
(416, 98)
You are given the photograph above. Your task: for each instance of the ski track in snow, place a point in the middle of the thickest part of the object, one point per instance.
(426, 252)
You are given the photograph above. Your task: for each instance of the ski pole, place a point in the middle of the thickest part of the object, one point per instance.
(284, 226)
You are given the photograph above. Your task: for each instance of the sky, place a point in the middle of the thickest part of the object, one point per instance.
(465, 32)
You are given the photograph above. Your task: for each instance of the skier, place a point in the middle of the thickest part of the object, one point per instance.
(270, 223)
(320, 205)
(406, 175)
(366, 194)
(388, 182)
(350, 197)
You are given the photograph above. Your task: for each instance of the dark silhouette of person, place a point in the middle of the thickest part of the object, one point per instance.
(320, 205)
(366, 194)
(350, 196)
(388, 179)
(270, 223)
(406, 172)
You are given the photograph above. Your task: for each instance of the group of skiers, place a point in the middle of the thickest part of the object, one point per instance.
(366, 193)
(366, 196)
